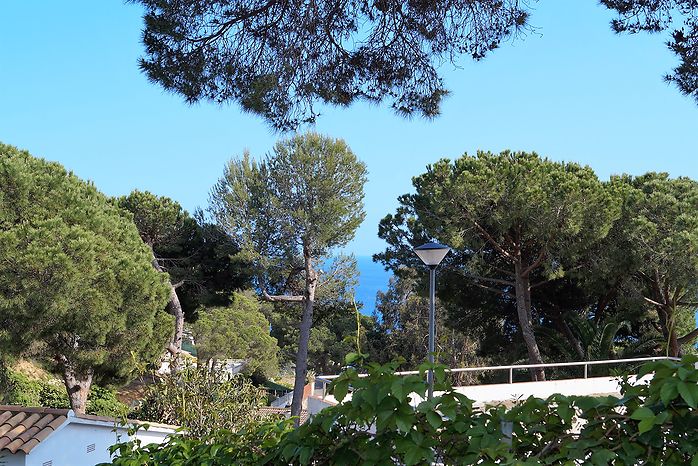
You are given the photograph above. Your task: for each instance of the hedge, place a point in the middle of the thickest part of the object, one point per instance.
(654, 423)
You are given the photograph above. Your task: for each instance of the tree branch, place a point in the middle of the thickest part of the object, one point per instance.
(491, 280)
(689, 337)
(282, 298)
(540, 283)
(224, 27)
(653, 302)
(536, 263)
(492, 241)
(495, 290)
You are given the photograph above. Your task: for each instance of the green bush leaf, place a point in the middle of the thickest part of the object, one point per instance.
(434, 419)
(689, 393)
(645, 425)
(642, 413)
(340, 389)
(668, 391)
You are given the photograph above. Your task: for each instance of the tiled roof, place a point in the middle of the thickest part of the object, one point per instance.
(21, 429)
(267, 411)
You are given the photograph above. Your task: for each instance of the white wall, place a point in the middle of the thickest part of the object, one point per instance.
(522, 390)
(68, 445)
(317, 404)
(493, 393)
(8, 459)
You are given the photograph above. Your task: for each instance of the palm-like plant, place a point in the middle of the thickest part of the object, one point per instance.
(608, 339)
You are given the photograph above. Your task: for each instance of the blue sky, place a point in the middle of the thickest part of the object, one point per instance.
(70, 91)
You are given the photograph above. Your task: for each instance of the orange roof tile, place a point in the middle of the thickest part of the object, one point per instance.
(21, 429)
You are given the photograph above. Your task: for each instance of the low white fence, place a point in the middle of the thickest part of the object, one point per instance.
(326, 379)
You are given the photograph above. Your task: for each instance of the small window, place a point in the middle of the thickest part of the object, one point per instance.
(90, 448)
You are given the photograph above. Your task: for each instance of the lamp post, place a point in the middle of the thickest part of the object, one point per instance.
(431, 254)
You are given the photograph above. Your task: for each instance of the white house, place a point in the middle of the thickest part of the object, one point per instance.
(59, 437)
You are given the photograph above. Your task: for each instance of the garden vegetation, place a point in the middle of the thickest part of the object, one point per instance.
(653, 423)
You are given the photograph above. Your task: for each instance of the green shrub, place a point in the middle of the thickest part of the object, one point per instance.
(655, 423)
(103, 402)
(53, 395)
(201, 400)
(247, 446)
(18, 389)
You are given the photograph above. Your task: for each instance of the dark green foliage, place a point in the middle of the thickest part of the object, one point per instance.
(653, 424)
(289, 213)
(306, 195)
(279, 58)
(196, 254)
(660, 223)
(202, 400)
(619, 251)
(103, 402)
(333, 334)
(595, 341)
(331, 339)
(19, 389)
(248, 446)
(516, 222)
(239, 331)
(400, 331)
(217, 269)
(77, 286)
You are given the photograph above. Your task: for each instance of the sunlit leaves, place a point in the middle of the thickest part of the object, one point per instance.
(76, 280)
(636, 429)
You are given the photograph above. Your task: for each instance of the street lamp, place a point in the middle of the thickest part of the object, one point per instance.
(431, 254)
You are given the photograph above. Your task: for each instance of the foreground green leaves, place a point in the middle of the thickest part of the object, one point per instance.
(384, 422)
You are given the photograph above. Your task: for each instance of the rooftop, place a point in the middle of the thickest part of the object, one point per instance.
(22, 428)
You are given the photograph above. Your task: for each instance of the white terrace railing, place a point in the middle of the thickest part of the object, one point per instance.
(326, 379)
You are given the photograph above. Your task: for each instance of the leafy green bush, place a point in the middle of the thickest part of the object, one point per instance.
(202, 400)
(103, 402)
(248, 446)
(655, 423)
(53, 395)
(19, 389)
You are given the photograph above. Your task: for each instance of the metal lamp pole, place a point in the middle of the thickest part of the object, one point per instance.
(432, 328)
(432, 254)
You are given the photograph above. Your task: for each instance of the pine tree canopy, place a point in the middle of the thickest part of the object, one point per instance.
(281, 58)
(277, 58)
(77, 287)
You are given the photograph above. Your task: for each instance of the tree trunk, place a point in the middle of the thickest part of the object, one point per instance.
(689, 337)
(666, 315)
(174, 307)
(674, 348)
(565, 329)
(77, 384)
(523, 310)
(304, 338)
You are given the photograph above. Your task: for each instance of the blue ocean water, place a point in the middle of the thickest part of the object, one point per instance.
(372, 278)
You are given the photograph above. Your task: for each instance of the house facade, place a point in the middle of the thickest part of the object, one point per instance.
(59, 437)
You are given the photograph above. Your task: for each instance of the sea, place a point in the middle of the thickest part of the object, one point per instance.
(372, 279)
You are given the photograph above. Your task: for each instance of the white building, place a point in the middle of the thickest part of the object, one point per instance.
(59, 437)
